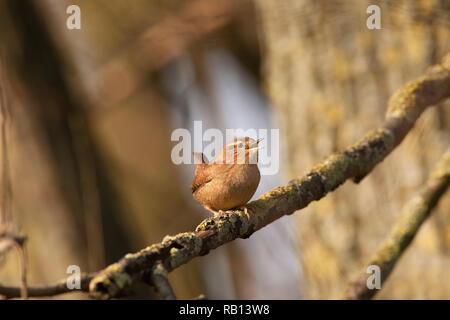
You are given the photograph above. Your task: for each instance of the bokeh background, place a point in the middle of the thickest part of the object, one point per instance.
(87, 117)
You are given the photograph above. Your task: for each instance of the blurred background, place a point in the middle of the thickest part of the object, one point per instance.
(87, 117)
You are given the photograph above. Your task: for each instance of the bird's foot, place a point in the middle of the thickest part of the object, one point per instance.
(222, 212)
(216, 213)
(219, 213)
(246, 211)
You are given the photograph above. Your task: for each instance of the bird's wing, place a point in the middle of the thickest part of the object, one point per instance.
(204, 173)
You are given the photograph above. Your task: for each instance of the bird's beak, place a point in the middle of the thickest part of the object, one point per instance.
(255, 148)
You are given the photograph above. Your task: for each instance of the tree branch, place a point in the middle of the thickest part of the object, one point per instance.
(355, 162)
(159, 279)
(413, 215)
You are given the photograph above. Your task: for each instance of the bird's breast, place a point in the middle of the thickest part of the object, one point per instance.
(230, 189)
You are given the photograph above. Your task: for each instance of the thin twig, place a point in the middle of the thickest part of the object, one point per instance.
(6, 180)
(8, 241)
(402, 234)
(23, 269)
(159, 279)
(46, 290)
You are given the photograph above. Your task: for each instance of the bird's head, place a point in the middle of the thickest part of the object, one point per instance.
(242, 150)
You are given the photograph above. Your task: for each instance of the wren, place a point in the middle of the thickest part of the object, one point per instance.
(230, 179)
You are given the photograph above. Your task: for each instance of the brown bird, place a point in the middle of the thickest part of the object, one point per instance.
(230, 180)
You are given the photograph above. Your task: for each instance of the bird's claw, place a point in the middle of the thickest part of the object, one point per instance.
(243, 208)
(221, 213)
(246, 211)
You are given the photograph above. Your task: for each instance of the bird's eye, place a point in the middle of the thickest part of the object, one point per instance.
(240, 145)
